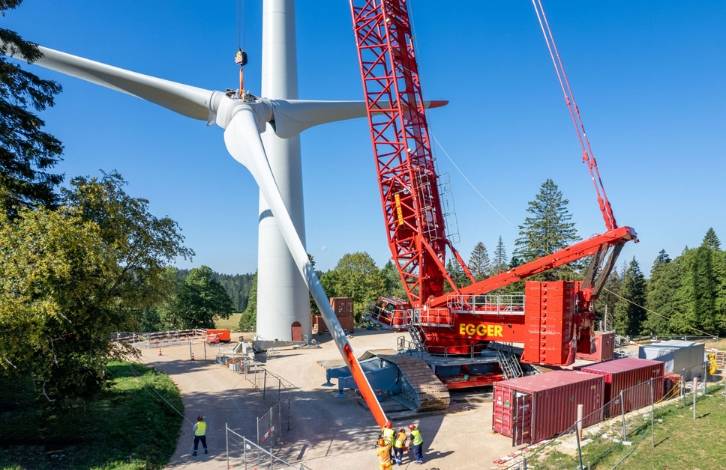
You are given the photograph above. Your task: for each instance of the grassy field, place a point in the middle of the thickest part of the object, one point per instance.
(680, 442)
(231, 323)
(127, 427)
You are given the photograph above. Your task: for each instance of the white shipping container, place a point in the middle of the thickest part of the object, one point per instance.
(679, 357)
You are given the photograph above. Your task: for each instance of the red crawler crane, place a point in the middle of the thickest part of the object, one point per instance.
(553, 319)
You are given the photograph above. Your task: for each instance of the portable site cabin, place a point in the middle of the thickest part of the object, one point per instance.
(678, 357)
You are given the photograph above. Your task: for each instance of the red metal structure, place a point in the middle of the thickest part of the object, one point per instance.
(553, 319)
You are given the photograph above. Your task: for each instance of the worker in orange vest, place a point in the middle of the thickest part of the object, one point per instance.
(383, 452)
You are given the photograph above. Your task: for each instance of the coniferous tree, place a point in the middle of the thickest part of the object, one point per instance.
(27, 152)
(605, 302)
(719, 270)
(248, 319)
(711, 240)
(546, 229)
(704, 290)
(456, 273)
(665, 279)
(479, 263)
(500, 257)
(629, 311)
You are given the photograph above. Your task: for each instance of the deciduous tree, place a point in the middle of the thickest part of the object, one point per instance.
(357, 276)
(70, 277)
(394, 288)
(198, 300)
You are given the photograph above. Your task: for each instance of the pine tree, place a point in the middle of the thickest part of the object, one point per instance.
(704, 290)
(629, 311)
(605, 302)
(27, 153)
(711, 240)
(479, 263)
(665, 278)
(547, 228)
(500, 257)
(719, 270)
(248, 319)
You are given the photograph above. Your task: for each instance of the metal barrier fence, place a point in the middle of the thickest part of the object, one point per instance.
(244, 454)
(278, 418)
(623, 425)
(275, 422)
(159, 339)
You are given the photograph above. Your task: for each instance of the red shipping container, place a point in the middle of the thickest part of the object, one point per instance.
(343, 308)
(603, 347)
(637, 379)
(538, 407)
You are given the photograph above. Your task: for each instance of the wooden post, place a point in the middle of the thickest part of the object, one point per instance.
(579, 420)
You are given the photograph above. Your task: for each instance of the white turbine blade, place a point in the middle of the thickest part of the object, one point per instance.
(184, 99)
(294, 116)
(243, 142)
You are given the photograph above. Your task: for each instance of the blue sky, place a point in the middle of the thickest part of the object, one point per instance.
(649, 78)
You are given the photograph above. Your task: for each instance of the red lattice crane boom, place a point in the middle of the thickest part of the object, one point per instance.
(407, 176)
(457, 321)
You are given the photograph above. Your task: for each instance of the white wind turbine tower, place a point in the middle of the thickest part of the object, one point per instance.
(263, 135)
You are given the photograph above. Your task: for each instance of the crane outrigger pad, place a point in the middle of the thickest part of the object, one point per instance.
(419, 383)
(403, 377)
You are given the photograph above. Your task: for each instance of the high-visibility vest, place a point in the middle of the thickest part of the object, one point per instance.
(388, 435)
(417, 439)
(200, 428)
(400, 439)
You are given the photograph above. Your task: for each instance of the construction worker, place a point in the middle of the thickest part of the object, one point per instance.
(383, 452)
(399, 445)
(387, 433)
(200, 434)
(416, 443)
